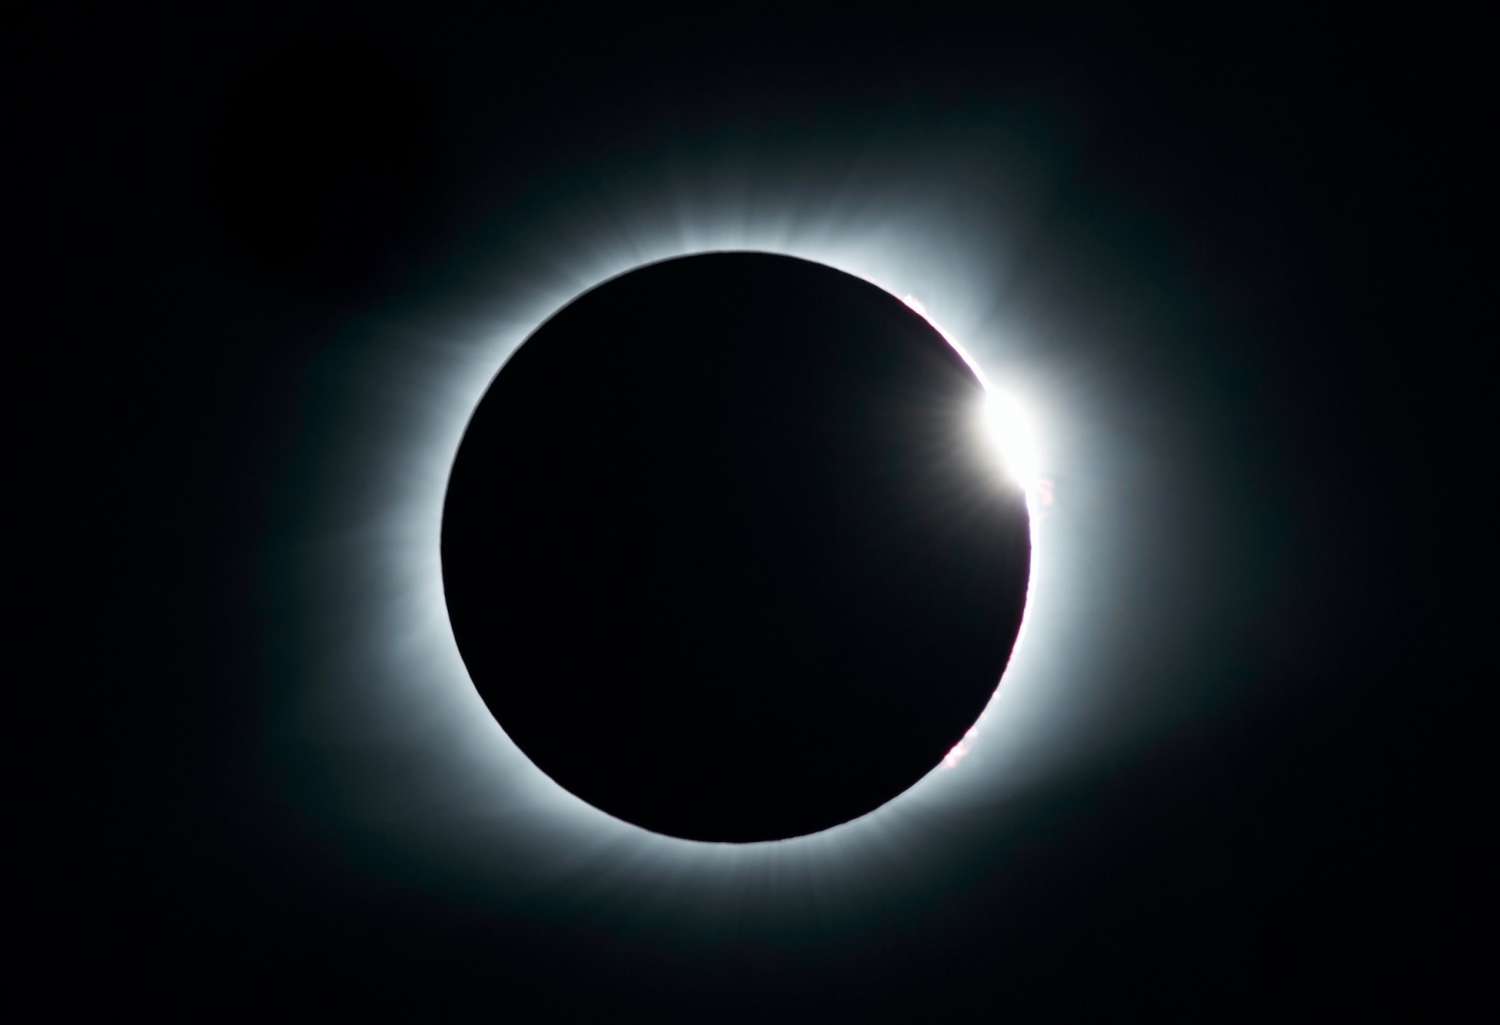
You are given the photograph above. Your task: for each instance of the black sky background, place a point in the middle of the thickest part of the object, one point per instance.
(1289, 200)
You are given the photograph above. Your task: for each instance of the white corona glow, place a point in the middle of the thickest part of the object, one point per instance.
(416, 407)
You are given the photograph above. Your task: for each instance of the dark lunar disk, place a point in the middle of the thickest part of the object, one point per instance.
(723, 552)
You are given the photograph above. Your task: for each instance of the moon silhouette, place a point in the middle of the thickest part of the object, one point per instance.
(722, 553)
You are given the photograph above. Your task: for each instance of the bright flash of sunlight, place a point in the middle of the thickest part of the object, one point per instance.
(1006, 430)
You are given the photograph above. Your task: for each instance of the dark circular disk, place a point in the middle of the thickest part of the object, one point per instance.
(723, 553)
